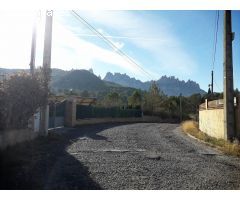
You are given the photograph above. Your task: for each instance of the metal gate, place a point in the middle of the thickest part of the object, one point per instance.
(56, 114)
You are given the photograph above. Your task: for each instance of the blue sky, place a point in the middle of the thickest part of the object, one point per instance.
(172, 43)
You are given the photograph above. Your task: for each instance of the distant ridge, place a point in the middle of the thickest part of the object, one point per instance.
(171, 86)
(86, 80)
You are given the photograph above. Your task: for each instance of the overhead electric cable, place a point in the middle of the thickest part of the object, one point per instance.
(110, 43)
(215, 39)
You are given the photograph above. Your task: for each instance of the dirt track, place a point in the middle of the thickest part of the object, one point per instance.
(118, 156)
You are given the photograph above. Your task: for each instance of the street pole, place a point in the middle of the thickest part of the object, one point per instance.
(212, 83)
(180, 102)
(46, 70)
(228, 78)
(33, 47)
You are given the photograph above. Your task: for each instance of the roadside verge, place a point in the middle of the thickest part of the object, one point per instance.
(191, 129)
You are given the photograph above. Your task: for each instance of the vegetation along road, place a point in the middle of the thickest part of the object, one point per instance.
(118, 156)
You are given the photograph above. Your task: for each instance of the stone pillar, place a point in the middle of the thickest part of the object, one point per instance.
(70, 113)
(74, 112)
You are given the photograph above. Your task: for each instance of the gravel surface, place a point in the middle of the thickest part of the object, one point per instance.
(118, 156)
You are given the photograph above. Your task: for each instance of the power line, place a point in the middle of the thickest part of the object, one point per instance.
(120, 37)
(107, 41)
(217, 86)
(113, 46)
(215, 39)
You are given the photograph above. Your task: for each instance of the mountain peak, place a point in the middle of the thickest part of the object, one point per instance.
(171, 85)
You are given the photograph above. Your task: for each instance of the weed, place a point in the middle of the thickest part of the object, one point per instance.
(191, 127)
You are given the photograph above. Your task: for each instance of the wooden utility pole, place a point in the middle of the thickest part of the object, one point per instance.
(212, 83)
(33, 48)
(46, 70)
(180, 109)
(228, 78)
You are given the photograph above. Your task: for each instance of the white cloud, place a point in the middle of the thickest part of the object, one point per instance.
(154, 36)
(69, 50)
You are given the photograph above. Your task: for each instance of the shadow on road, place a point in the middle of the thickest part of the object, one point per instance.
(44, 163)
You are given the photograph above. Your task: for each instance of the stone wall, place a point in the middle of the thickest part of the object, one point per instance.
(12, 137)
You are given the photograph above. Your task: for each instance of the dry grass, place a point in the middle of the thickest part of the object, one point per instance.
(191, 127)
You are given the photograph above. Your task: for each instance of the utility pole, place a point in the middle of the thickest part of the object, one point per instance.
(33, 48)
(46, 70)
(228, 78)
(212, 83)
(180, 102)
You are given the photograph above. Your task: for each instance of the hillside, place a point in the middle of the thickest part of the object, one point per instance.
(171, 86)
(80, 80)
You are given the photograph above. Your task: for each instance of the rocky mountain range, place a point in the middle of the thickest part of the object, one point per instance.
(86, 80)
(171, 86)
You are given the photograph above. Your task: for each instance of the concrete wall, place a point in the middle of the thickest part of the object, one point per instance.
(211, 118)
(237, 119)
(12, 137)
(211, 122)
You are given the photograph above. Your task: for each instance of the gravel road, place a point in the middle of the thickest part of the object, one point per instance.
(118, 156)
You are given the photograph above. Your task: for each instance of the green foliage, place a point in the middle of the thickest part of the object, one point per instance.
(79, 80)
(153, 100)
(135, 100)
(85, 94)
(112, 99)
(156, 103)
(21, 95)
(154, 90)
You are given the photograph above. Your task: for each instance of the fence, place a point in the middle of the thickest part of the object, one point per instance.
(84, 112)
(57, 119)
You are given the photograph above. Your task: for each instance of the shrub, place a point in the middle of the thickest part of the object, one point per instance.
(21, 95)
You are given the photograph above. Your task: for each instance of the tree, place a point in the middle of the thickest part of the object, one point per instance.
(171, 106)
(154, 90)
(135, 100)
(112, 100)
(21, 96)
(85, 94)
(153, 99)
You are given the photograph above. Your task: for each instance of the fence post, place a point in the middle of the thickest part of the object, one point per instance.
(206, 104)
(237, 117)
